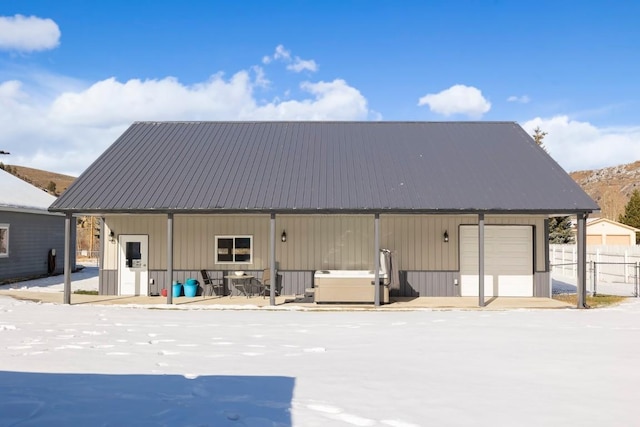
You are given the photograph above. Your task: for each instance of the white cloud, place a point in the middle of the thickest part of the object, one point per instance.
(524, 99)
(458, 99)
(580, 145)
(301, 65)
(295, 64)
(261, 80)
(282, 53)
(28, 34)
(334, 100)
(67, 131)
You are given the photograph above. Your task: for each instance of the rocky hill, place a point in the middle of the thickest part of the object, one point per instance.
(610, 187)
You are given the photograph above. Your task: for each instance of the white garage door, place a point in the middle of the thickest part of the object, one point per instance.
(508, 262)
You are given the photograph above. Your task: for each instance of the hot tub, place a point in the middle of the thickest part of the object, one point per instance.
(348, 286)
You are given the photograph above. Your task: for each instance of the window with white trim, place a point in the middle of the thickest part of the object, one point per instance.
(4, 240)
(234, 249)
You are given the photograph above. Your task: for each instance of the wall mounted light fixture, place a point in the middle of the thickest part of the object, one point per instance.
(112, 236)
(445, 236)
(283, 237)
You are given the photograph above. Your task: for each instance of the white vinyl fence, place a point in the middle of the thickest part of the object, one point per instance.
(610, 269)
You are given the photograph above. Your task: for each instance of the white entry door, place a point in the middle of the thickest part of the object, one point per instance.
(508, 261)
(134, 271)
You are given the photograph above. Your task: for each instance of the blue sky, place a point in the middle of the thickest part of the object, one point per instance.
(75, 74)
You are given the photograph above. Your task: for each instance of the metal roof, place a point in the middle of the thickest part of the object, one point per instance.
(20, 196)
(324, 167)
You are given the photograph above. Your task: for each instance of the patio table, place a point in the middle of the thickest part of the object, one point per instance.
(241, 283)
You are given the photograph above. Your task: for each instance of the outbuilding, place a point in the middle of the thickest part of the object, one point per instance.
(31, 238)
(462, 207)
(603, 231)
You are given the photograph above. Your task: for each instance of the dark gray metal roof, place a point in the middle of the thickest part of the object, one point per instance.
(324, 167)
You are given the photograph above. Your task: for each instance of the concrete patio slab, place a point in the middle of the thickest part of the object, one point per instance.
(288, 302)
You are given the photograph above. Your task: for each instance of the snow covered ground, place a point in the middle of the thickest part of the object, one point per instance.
(86, 365)
(567, 285)
(86, 279)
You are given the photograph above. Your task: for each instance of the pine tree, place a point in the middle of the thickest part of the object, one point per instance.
(631, 214)
(538, 136)
(559, 227)
(560, 230)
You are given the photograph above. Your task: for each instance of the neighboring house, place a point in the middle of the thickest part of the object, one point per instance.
(31, 238)
(298, 197)
(603, 231)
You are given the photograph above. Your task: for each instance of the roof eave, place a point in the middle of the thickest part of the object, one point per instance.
(327, 211)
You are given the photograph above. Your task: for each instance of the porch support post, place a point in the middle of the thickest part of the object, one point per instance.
(581, 243)
(67, 258)
(376, 260)
(169, 280)
(481, 260)
(272, 260)
(547, 256)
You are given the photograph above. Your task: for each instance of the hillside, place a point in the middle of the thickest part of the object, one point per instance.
(610, 187)
(41, 178)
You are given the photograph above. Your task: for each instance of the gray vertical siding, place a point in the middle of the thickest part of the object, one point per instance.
(412, 283)
(428, 284)
(295, 282)
(289, 282)
(108, 282)
(31, 236)
(541, 286)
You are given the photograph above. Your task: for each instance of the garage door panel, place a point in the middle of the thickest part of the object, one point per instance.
(469, 285)
(616, 239)
(515, 285)
(508, 261)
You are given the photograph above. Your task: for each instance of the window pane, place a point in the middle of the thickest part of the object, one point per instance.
(243, 249)
(243, 242)
(4, 241)
(133, 254)
(225, 250)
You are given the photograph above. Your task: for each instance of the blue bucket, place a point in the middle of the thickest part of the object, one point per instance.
(177, 289)
(190, 288)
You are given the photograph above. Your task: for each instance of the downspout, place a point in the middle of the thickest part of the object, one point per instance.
(67, 258)
(582, 260)
(376, 260)
(481, 260)
(169, 258)
(272, 260)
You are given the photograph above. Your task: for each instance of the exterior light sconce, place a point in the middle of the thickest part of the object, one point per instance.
(445, 236)
(112, 237)
(283, 236)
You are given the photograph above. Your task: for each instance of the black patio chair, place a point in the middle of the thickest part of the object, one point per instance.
(212, 284)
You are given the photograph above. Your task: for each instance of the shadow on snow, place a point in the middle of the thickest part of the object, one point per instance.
(144, 400)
